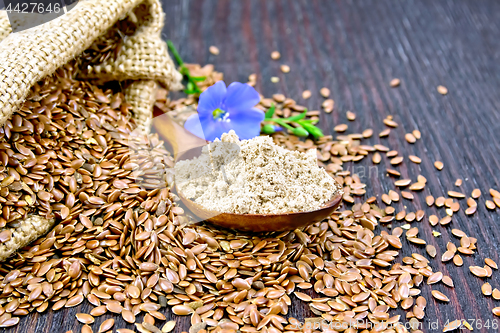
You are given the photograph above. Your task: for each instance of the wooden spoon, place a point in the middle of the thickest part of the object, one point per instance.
(186, 145)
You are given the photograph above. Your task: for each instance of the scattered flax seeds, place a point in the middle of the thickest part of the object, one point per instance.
(161, 261)
(262, 178)
(285, 68)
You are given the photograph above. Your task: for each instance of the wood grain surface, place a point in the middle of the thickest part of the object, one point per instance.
(355, 48)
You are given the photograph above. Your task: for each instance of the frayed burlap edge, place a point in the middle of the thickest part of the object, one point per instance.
(24, 233)
(141, 95)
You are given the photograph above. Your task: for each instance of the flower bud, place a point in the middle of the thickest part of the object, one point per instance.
(268, 129)
(300, 131)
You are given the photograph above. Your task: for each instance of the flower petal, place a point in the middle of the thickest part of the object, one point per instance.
(246, 123)
(246, 115)
(206, 128)
(240, 96)
(193, 125)
(215, 129)
(212, 98)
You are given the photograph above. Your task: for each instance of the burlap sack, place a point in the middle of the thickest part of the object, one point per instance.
(141, 61)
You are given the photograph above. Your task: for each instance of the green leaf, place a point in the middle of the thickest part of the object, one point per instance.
(268, 129)
(315, 131)
(198, 78)
(281, 122)
(308, 121)
(270, 111)
(297, 117)
(300, 131)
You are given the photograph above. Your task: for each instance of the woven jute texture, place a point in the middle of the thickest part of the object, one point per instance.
(141, 61)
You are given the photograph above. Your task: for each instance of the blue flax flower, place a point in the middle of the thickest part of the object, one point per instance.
(222, 109)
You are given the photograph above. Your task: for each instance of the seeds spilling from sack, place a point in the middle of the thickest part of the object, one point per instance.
(124, 245)
(65, 153)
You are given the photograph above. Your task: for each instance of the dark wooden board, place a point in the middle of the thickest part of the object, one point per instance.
(355, 48)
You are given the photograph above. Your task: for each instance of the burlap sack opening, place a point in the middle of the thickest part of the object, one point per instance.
(112, 40)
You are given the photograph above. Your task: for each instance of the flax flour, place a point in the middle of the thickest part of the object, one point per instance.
(254, 177)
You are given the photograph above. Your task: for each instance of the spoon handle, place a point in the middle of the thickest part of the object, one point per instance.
(175, 135)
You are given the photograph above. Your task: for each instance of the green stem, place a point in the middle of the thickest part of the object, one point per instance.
(282, 123)
(183, 69)
(175, 53)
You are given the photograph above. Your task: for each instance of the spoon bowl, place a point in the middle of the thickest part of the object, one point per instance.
(187, 146)
(262, 222)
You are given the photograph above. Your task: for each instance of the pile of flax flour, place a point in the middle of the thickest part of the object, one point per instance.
(254, 177)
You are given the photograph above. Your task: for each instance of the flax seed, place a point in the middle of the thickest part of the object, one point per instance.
(440, 296)
(415, 159)
(106, 325)
(407, 195)
(285, 68)
(491, 263)
(397, 160)
(128, 316)
(182, 310)
(395, 83)
(439, 165)
(442, 90)
(447, 256)
(486, 289)
(431, 250)
(214, 50)
(448, 281)
(390, 122)
(351, 116)
(150, 327)
(168, 327)
(275, 55)
(478, 271)
(476, 193)
(385, 133)
(367, 133)
(490, 204)
(98, 311)
(325, 92)
(452, 326)
(84, 318)
(340, 128)
(410, 138)
(455, 194)
(435, 278)
(445, 220)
